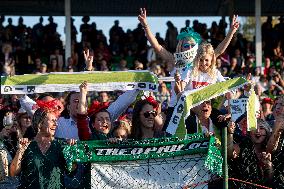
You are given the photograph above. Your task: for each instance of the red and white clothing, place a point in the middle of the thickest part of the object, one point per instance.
(201, 80)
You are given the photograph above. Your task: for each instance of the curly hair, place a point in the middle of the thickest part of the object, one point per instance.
(136, 131)
(204, 49)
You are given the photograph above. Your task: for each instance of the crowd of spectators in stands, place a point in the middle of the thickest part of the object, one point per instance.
(39, 50)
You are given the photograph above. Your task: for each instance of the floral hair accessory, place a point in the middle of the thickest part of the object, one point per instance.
(52, 105)
(96, 107)
(152, 101)
(189, 32)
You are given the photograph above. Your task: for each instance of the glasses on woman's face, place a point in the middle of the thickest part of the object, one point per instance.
(188, 45)
(148, 113)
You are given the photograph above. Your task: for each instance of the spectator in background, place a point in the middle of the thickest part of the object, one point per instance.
(171, 37)
(273, 90)
(38, 34)
(43, 68)
(163, 93)
(138, 65)
(58, 58)
(10, 30)
(266, 66)
(122, 65)
(85, 28)
(103, 97)
(102, 52)
(187, 24)
(266, 105)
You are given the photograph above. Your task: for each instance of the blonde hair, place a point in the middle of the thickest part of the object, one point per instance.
(203, 49)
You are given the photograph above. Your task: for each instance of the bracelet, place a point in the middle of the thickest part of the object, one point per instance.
(145, 26)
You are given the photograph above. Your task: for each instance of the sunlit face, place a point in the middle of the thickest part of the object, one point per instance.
(205, 63)
(187, 44)
(147, 116)
(49, 125)
(258, 135)
(102, 122)
(204, 110)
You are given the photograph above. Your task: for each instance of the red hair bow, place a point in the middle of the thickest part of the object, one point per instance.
(53, 105)
(96, 107)
(152, 101)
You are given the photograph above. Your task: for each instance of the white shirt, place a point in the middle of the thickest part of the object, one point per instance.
(173, 99)
(201, 80)
(67, 129)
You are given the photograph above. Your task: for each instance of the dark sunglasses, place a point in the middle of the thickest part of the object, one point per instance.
(187, 45)
(148, 113)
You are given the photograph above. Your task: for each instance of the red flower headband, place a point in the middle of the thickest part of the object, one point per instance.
(53, 105)
(152, 101)
(96, 107)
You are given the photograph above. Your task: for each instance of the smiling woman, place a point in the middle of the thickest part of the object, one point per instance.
(41, 161)
(143, 119)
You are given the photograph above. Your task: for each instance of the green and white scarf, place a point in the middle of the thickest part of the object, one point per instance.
(61, 82)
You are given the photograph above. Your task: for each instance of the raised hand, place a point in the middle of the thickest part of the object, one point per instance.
(88, 59)
(178, 83)
(23, 144)
(82, 107)
(84, 87)
(235, 23)
(142, 17)
(231, 127)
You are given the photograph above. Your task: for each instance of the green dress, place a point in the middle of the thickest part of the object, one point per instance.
(39, 171)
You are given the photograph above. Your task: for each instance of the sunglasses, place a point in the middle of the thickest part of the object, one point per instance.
(148, 113)
(187, 45)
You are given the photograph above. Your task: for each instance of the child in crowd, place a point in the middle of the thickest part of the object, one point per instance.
(204, 71)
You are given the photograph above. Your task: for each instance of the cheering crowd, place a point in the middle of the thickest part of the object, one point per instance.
(33, 127)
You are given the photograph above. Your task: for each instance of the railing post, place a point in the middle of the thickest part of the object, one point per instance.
(225, 160)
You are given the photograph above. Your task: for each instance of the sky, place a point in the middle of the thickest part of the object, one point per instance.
(157, 24)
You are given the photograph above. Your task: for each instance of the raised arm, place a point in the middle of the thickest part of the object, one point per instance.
(225, 43)
(142, 17)
(276, 134)
(121, 104)
(88, 60)
(15, 167)
(82, 119)
(82, 107)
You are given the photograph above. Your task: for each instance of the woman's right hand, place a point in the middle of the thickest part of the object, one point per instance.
(23, 144)
(142, 17)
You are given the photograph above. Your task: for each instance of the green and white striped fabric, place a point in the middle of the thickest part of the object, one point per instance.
(252, 110)
(60, 82)
(193, 98)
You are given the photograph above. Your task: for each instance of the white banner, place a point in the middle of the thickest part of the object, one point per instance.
(238, 107)
(175, 172)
